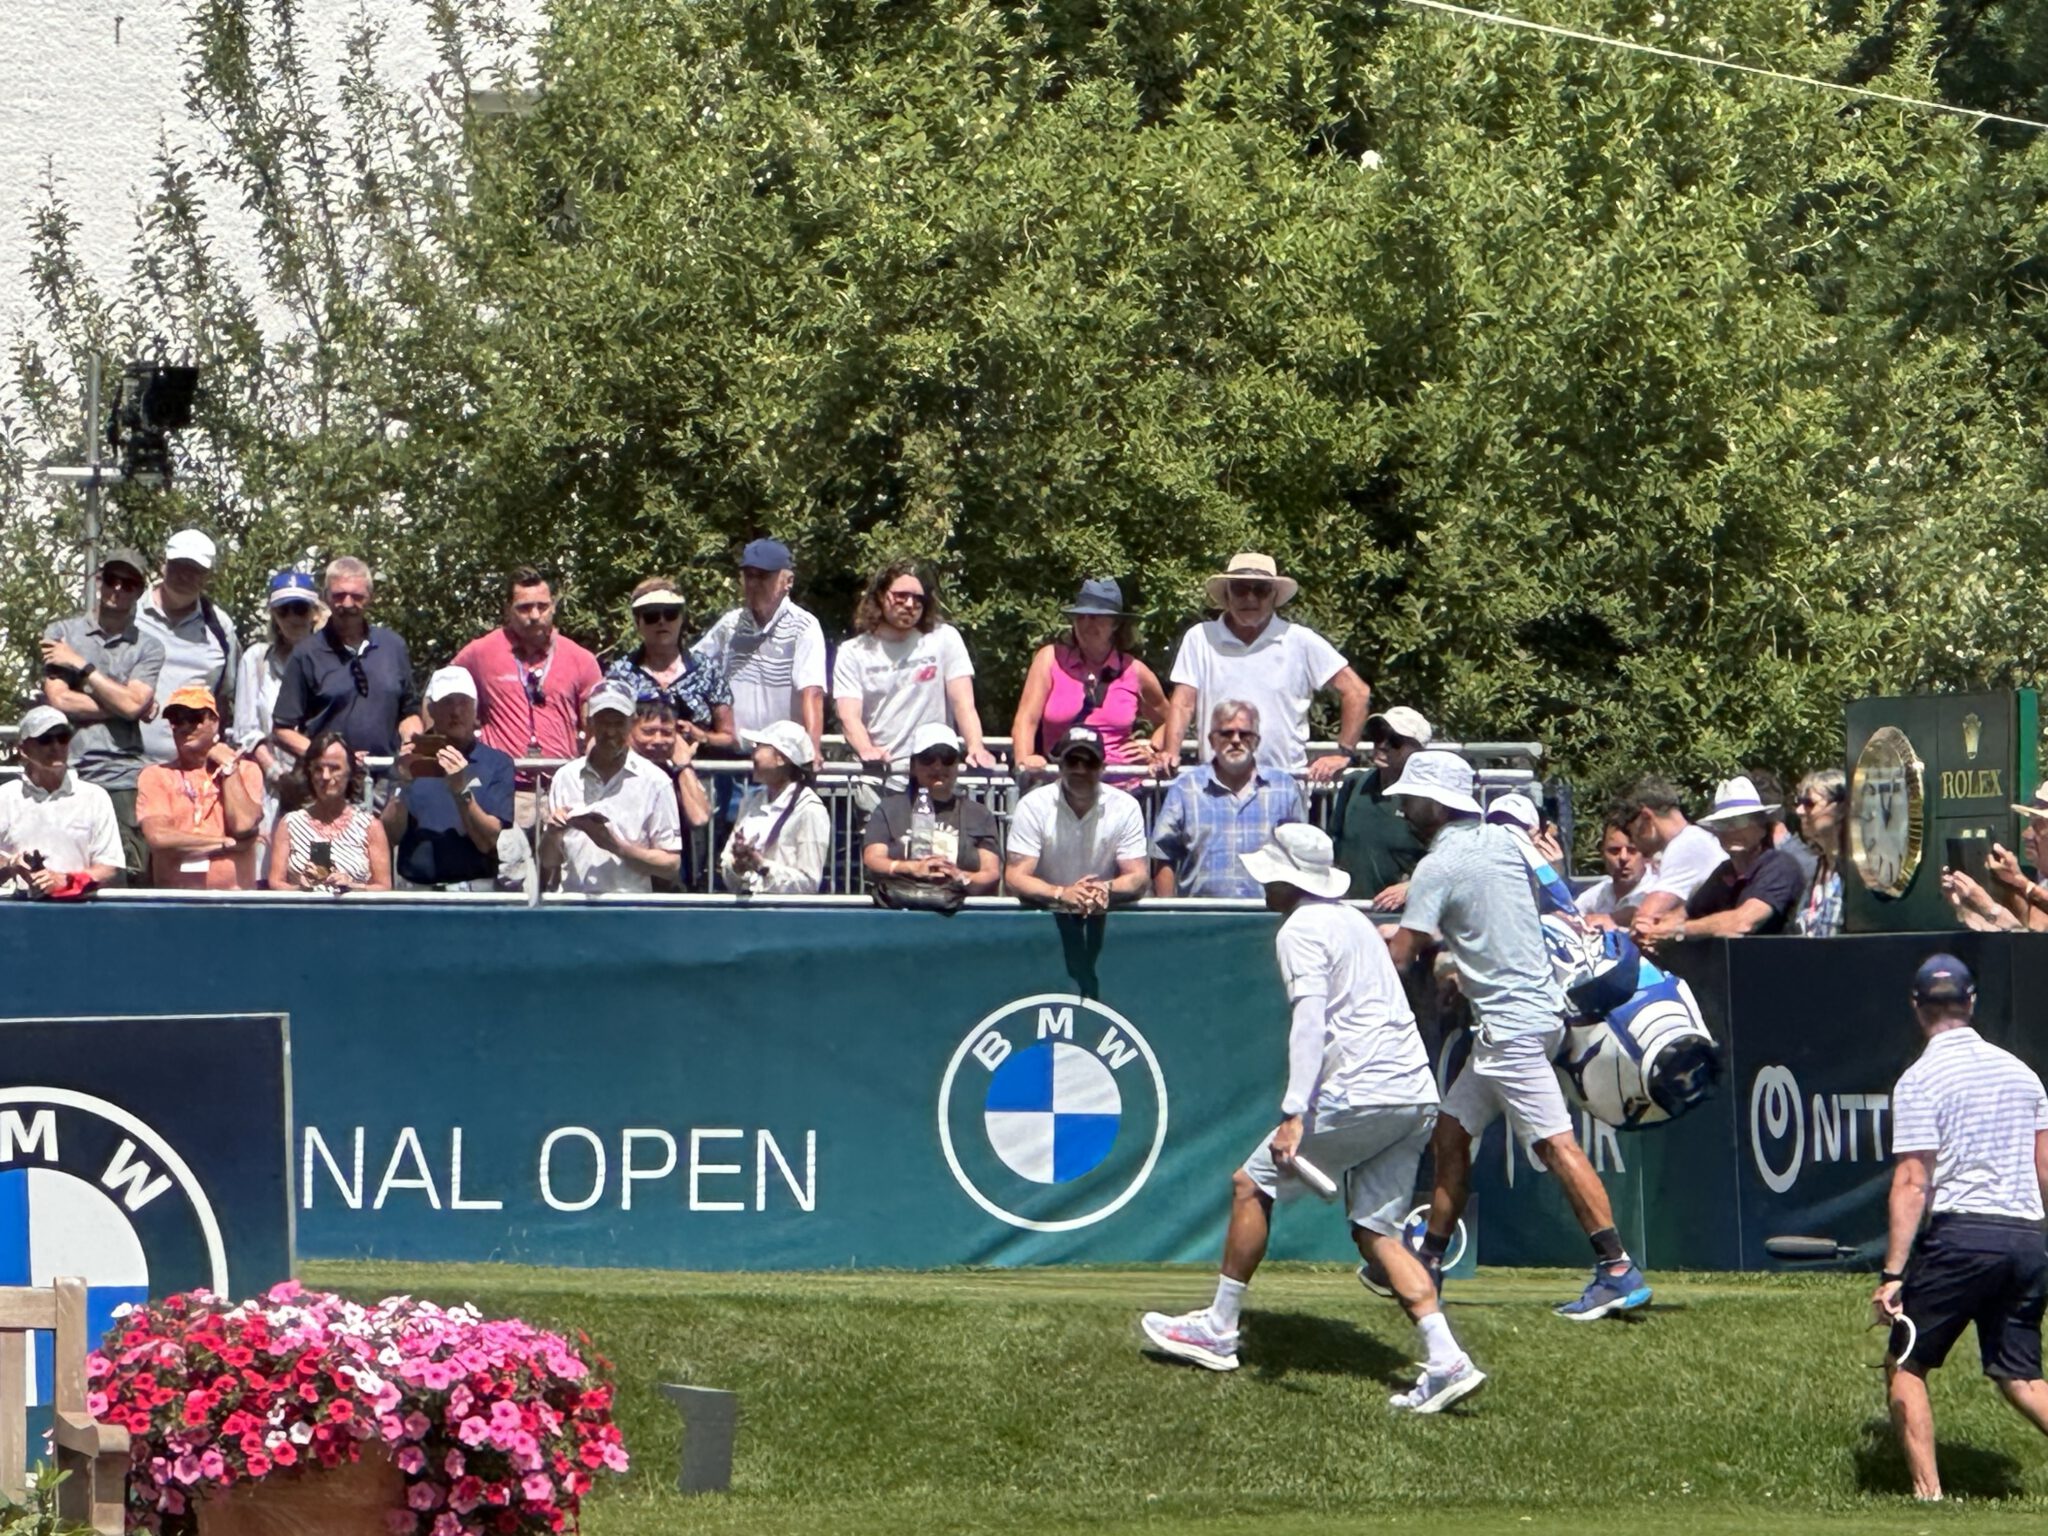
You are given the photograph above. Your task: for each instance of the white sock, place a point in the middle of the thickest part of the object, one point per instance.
(1436, 1338)
(1229, 1299)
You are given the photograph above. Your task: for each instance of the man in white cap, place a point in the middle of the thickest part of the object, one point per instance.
(54, 826)
(612, 823)
(929, 833)
(1078, 845)
(1374, 842)
(1249, 652)
(198, 639)
(1476, 888)
(1358, 1107)
(1755, 889)
(783, 834)
(1680, 854)
(453, 795)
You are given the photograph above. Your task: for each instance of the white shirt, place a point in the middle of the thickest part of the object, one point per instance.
(71, 826)
(640, 803)
(1976, 1108)
(795, 861)
(1599, 900)
(767, 666)
(1067, 846)
(1278, 674)
(1371, 1054)
(1684, 864)
(901, 684)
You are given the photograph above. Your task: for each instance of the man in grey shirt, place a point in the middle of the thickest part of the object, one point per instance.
(1475, 888)
(101, 671)
(198, 639)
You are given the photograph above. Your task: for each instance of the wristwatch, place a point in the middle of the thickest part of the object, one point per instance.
(1890, 1276)
(84, 672)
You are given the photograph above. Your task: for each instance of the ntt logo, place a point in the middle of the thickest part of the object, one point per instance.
(1052, 1112)
(1787, 1134)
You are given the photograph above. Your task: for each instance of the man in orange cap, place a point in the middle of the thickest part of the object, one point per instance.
(201, 812)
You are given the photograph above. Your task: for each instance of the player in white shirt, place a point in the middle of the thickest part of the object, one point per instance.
(1358, 1107)
(1680, 855)
(1249, 652)
(904, 669)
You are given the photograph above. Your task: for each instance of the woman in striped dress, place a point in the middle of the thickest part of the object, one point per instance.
(334, 843)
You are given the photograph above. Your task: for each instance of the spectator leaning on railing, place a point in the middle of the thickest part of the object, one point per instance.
(1220, 809)
(1680, 854)
(100, 670)
(201, 813)
(1089, 678)
(1819, 801)
(58, 834)
(1249, 652)
(198, 639)
(784, 833)
(770, 652)
(1077, 845)
(1753, 890)
(612, 822)
(295, 612)
(955, 851)
(531, 684)
(903, 668)
(659, 667)
(353, 676)
(331, 843)
(1374, 842)
(453, 795)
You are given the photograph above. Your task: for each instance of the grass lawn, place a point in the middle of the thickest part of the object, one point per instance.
(1018, 1401)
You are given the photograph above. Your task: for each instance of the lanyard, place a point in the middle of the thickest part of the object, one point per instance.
(532, 683)
(200, 805)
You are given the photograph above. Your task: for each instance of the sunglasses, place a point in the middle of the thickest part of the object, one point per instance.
(937, 759)
(121, 583)
(535, 695)
(362, 678)
(657, 615)
(60, 737)
(1233, 734)
(181, 717)
(295, 610)
(1253, 588)
(915, 599)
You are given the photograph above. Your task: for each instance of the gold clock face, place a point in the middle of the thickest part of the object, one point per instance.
(1884, 822)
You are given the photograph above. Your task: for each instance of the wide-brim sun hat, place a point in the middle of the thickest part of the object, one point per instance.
(1101, 596)
(2038, 806)
(1735, 799)
(1434, 774)
(1299, 855)
(1250, 565)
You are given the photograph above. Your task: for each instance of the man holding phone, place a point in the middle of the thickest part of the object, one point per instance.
(454, 795)
(612, 823)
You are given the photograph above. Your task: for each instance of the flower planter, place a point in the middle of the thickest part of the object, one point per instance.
(348, 1500)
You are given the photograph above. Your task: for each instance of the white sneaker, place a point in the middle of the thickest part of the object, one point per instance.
(1193, 1337)
(1435, 1391)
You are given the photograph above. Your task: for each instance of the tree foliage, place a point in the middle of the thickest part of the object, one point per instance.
(1644, 409)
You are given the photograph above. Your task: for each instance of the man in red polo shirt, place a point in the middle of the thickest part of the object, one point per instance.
(530, 683)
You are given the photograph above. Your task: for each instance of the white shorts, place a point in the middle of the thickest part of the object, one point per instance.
(1515, 1076)
(1372, 1153)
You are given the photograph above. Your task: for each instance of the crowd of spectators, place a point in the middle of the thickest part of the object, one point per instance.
(164, 753)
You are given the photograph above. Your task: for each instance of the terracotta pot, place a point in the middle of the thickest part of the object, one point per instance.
(349, 1500)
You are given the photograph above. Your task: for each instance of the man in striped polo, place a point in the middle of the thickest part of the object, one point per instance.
(1970, 1138)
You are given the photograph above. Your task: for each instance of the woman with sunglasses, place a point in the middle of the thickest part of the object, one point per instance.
(332, 843)
(659, 667)
(1819, 800)
(1089, 678)
(295, 612)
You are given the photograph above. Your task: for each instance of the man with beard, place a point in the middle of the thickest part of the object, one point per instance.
(1226, 807)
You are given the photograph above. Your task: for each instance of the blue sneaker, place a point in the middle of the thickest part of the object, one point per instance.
(1607, 1293)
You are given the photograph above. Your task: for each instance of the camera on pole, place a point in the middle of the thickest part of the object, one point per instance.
(152, 401)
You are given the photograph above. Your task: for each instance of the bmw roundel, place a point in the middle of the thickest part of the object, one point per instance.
(1052, 1112)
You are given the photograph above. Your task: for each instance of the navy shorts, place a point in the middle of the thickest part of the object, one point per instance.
(1987, 1270)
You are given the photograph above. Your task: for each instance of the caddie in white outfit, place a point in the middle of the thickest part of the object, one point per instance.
(1476, 890)
(1357, 1110)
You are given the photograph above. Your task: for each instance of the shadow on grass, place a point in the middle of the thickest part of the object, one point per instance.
(1964, 1469)
(1282, 1344)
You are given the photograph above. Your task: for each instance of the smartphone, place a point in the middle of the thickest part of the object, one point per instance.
(424, 760)
(1967, 854)
(320, 853)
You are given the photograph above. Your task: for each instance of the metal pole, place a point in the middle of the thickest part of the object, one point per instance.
(92, 486)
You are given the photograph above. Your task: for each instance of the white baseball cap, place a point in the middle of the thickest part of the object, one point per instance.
(450, 682)
(933, 733)
(190, 544)
(1515, 810)
(786, 737)
(40, 721)
(1400, 721)
(609, 698)
(1444, 777)
(1299, 855)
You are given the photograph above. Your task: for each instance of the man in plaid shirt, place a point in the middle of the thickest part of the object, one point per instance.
(1215, 812)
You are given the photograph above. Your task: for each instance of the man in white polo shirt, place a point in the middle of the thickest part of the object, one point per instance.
(1079, 844)
(1358, 1107)
(770, 652)
(1970, 1139)
(1249, 652)
(53, 825)
(612, 821)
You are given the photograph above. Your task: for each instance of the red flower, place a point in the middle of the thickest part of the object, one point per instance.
(340, 1408)
(286, 1454)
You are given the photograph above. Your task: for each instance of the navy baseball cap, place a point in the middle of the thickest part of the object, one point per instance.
(766, 555)
(1943, 979)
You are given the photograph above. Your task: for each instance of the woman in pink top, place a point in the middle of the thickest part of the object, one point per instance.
(1089, 678)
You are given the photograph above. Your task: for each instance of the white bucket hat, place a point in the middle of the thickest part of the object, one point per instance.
(1299, 855)
(1445, 777)
(786, 737)
(1251, 566)
(1735, 799)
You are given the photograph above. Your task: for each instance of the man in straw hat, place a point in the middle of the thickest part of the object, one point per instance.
(1754, 890)
(1476, 887)
(1358, 1107)
(2005, 883)
(1249, 652)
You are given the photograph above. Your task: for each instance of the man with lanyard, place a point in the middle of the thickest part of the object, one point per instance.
(353, 676)
(198, 640)
(1478, 889)
(1969, 1139)
(1357, 1108)
(531, 684)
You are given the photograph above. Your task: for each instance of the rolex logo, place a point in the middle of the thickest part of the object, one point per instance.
(1973, 736)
